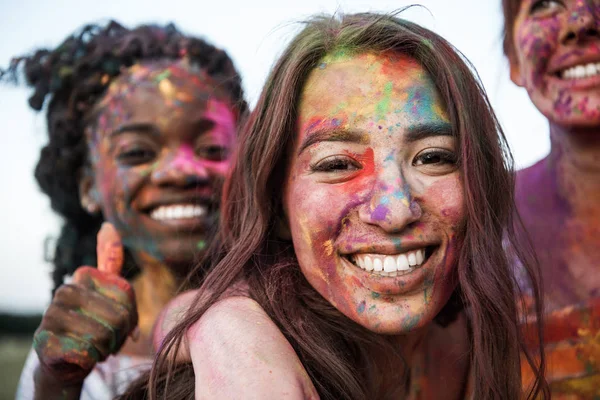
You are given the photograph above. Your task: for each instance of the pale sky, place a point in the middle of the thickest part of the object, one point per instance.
(253, 33)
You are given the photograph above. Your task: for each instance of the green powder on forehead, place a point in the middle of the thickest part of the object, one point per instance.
(339, 54)
(383, 105)
(163, 75)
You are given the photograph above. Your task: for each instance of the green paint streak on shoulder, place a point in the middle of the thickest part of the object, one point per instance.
(381, 109)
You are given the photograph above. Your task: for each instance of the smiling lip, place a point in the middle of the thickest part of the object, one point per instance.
(188, 212)
(577, 71)
(388, 282)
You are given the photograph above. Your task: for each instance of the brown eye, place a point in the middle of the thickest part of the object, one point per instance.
(544, 7)
(336, 164)
(435, 161)
(213, 153)
(136, 156)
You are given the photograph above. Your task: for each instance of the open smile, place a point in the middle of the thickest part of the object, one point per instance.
(391, 265)
(388, 273)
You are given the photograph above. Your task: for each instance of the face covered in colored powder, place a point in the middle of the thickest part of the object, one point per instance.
(160, 146)
(557, 58)
(373, 194)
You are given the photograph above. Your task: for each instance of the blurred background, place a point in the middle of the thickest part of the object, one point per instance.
(254, 33)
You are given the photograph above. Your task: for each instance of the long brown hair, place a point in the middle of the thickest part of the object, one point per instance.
(330, 346)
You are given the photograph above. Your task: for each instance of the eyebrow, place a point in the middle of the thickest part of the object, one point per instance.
(136, 127)
(415, 133)
(332, 135)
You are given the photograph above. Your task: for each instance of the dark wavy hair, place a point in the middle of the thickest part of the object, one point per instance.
(71, 78)
(330, 346)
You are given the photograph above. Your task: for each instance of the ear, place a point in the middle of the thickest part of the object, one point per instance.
(515, 71)
(87, 192)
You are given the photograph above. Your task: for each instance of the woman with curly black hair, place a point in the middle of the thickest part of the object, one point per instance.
(141, 125)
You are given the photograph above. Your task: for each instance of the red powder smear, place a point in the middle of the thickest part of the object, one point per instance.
(392, 62)
(367, 160)
(572, 337)
(319, 123)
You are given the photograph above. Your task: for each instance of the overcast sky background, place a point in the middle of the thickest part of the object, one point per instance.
(254, 33)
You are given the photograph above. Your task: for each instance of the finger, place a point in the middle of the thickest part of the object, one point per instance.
(105, 338)
(109, 250)
(71, 357)
(98, 307)
(112, 286)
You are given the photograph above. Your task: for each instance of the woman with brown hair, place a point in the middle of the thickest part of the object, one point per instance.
(366, 207)
(553, 47)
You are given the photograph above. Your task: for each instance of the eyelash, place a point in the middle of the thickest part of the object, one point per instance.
(213, 152)
(136, 156)
(542, 5)
(335, 164)
(445, 156)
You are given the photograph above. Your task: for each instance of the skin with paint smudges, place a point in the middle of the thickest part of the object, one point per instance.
(160, 150)
(556, 58)
(163, 137)
(374, 143)
(556, 197)
(160, 141)
(89, 319)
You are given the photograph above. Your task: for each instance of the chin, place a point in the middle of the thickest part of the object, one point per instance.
(576, 121)
(182, 254)
(393, 321)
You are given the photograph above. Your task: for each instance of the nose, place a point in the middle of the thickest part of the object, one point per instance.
(181, 168)
(582, 24)
(391, 205)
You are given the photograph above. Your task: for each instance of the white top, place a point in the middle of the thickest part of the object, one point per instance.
(107, 380)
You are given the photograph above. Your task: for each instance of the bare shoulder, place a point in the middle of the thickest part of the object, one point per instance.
(238, 351)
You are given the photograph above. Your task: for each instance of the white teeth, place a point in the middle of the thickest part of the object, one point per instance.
(412, 259)
(581, 71)
(178, 211)
(368, 263)
(402, 263)
(377, 265)
(420, 257)
(388, 265)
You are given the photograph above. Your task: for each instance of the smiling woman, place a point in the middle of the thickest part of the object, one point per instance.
(365, 209)
(375, 142)
(553, 47)
(141, 125)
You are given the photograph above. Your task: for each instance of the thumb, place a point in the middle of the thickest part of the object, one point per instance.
(109, 250)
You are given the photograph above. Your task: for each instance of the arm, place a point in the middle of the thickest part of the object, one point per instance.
(237, 351)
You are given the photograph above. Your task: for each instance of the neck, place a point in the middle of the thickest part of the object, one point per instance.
(389, 368)
(154, 287)
(575, 160)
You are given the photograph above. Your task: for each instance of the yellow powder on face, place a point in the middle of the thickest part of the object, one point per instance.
(166, 88)
(328, 247)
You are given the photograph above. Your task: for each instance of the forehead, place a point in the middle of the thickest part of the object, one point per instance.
(170, 82)
(373, 87)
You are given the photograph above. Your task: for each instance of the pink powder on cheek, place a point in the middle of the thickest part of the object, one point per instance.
(537, 41)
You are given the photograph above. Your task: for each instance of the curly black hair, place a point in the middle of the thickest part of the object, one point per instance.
(73, 77)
